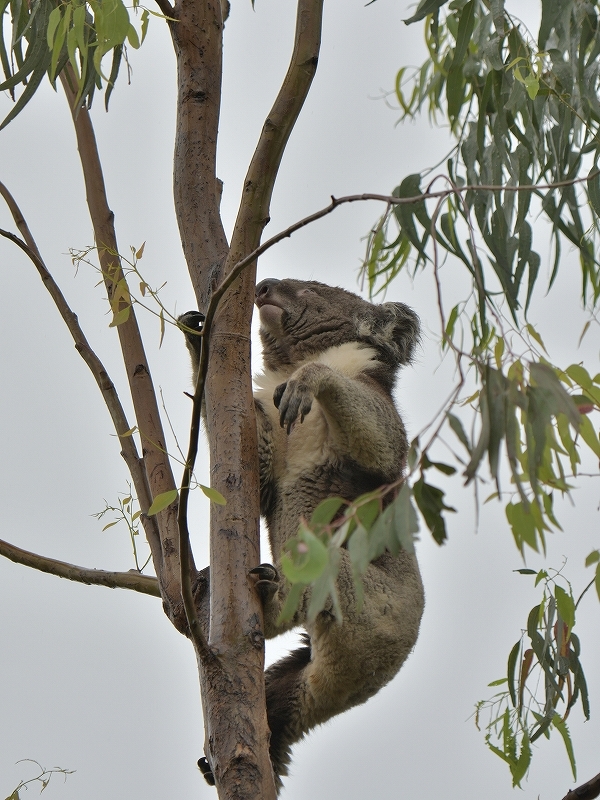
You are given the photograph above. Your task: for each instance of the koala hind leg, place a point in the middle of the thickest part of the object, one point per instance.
(347, 661)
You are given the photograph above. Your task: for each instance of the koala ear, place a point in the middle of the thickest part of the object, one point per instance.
(401, 329)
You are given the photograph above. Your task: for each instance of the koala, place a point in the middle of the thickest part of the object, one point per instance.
(327, 426)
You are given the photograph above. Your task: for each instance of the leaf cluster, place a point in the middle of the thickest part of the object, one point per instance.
(525, 117)
(47, 37)
(547, 655)
(358, 532)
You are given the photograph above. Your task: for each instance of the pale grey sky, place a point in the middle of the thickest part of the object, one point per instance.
(97, 680)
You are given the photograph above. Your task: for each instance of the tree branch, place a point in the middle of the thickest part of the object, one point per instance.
(165, 552)
(198, 42)
(166, 8)
(134, 580)
(105, 384)
(587, 791)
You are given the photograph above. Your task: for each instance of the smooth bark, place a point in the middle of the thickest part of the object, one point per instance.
(232, 683)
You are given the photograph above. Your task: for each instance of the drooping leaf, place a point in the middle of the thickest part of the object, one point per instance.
(424, 8)
(162, 501)
(213, 495)
(307, 557)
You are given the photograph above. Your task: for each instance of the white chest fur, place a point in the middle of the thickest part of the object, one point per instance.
(309, 443)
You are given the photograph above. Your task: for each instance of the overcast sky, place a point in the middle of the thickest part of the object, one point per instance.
(97, 680)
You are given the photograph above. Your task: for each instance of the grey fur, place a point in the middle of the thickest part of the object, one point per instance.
(327, 426)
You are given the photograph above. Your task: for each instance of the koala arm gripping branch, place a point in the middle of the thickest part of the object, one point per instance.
(362, 420)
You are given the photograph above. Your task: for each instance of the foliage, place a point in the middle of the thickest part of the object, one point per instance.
(551, 657)
(525, 119)
(43, 777)
(48, 36)
(127, 512)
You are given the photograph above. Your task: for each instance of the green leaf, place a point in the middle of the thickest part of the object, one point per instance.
(53, 20)
(546, 378)
(446, 469)
(406, 212)
(308, 557)
(382, 535)
(593, 558)
(484, 438)
(213, 495)
(120, 317)
(162, 501)
(368, 512)
(565, 605)
(580, 375)
(324, 587)
(593, 188)
(520, 767)
(458, 429)
(326, 511)
(510, 672)
(522, 525)
(292, 601)
(450, 326)
(430, 501)
(561, 727)
(406, 523)
(358, 550)
(424, 8)
(588, 434)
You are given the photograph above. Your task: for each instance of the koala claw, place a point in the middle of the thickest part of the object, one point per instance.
(267, 581)
(192, 319)
(206, 770)
(293, 399)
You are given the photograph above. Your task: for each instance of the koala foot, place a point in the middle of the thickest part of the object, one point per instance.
(266, 580)
(206, 770)
(293, 399)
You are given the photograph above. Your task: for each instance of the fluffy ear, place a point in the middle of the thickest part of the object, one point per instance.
(404, 330)
(393, 329)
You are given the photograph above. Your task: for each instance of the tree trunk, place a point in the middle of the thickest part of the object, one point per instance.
(232, 681)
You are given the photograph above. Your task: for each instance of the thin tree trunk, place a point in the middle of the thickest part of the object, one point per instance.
(232, 682)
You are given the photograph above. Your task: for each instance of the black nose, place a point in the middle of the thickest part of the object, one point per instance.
(264, 287)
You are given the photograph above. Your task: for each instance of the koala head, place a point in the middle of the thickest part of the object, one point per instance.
(301, 318)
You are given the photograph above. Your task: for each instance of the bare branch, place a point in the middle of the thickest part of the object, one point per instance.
(198, 43)
(166, 8)
(105, 384)
(133, 580)
(587, 791)
(165, 552)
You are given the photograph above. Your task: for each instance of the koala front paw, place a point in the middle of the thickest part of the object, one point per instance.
(293, 399)
(267, 580)
(192, 319)
(206, 770)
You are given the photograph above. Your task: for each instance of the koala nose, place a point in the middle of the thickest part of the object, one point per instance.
(264, 287)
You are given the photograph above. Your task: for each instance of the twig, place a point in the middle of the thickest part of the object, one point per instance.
(145, 584)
